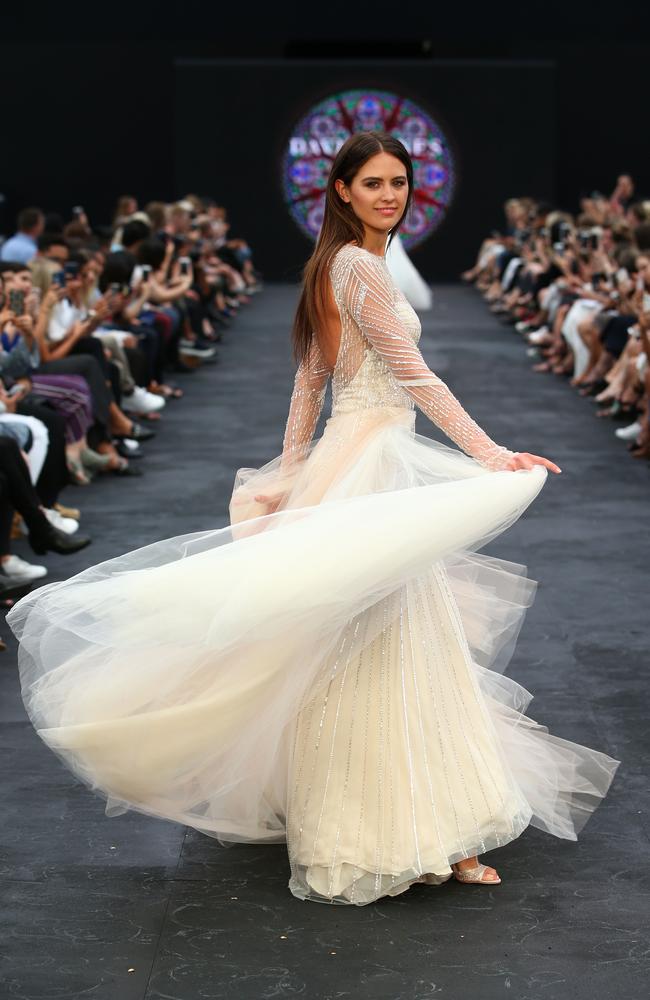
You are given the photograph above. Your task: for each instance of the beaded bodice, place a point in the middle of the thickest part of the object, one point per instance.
(362, 378)
(378, 364)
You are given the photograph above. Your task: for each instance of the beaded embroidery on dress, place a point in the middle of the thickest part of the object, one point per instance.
(334, 676)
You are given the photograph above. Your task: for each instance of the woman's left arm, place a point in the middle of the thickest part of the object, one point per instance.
(371, 298)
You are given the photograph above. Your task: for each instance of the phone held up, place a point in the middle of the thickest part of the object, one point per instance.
(71, 269)
(16, 301)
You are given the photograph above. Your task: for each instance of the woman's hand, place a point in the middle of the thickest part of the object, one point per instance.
(524, 460)
(52, 296)
(271, 501)
(6, 316)
(25, 324)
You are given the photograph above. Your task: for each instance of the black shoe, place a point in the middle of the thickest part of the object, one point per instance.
(126, 452)
(126, 470)
(137, 433)
(51, 539)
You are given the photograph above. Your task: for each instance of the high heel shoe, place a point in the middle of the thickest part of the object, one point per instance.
(474, 876)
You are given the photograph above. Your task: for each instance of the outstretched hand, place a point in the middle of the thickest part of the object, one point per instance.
(524, 460)
(271, 501)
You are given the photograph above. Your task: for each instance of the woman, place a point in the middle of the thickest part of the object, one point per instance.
(326, 679)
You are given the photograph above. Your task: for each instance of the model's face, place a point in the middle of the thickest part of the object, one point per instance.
(378, 193)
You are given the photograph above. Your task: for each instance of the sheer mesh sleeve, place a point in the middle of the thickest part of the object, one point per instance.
(306, 404)
(369, 296)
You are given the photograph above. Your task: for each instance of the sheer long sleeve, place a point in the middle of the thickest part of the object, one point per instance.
(369, 296)
(306, 404)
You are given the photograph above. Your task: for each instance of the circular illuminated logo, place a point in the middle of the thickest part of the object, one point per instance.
(318, 136)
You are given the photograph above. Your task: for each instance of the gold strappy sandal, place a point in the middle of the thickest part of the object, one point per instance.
(474, 875)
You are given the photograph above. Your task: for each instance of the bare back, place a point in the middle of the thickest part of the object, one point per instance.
(329, 328)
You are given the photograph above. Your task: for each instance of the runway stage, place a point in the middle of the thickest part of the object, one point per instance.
(137, 909)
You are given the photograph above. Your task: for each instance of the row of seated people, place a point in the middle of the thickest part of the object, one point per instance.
(98, 325)
(577, 288)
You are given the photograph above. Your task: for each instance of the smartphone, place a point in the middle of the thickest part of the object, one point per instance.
(593, 241)
(646, 302)
(640, 284)
(622, 276)
(71, 269)
(146, 271)
(17, 301)
(58, 279)
(115, 288)
(185, 264)
(78, 210)
(16, 388)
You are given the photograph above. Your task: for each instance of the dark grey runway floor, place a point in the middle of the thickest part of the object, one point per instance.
(132, 908)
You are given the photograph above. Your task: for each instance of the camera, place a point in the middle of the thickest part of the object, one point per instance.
(185, 264)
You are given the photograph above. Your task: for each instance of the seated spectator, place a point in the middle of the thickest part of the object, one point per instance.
(22, 246)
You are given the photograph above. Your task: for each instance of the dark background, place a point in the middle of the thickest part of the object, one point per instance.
(491, 158)
(90, 97)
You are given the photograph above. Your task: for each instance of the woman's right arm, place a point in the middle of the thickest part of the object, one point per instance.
(307, 398)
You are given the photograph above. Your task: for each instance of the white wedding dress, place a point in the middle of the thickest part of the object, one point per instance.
(331, 673)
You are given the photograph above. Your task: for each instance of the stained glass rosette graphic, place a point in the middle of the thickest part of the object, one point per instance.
(319, 135)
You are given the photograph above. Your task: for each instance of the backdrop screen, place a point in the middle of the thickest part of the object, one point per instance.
(260, 136)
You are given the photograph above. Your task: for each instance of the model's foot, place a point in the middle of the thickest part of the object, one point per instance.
(472, 870)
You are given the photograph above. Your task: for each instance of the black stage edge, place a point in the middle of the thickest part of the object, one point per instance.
(132, 908)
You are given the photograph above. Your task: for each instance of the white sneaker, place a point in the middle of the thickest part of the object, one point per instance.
(21, 570)
(629, 433)
(66, 524)
(140, 401)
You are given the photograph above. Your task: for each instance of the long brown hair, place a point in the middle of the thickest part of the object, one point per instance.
(340, 226)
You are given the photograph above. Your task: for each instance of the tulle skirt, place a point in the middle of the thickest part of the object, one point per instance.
(329, 675)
